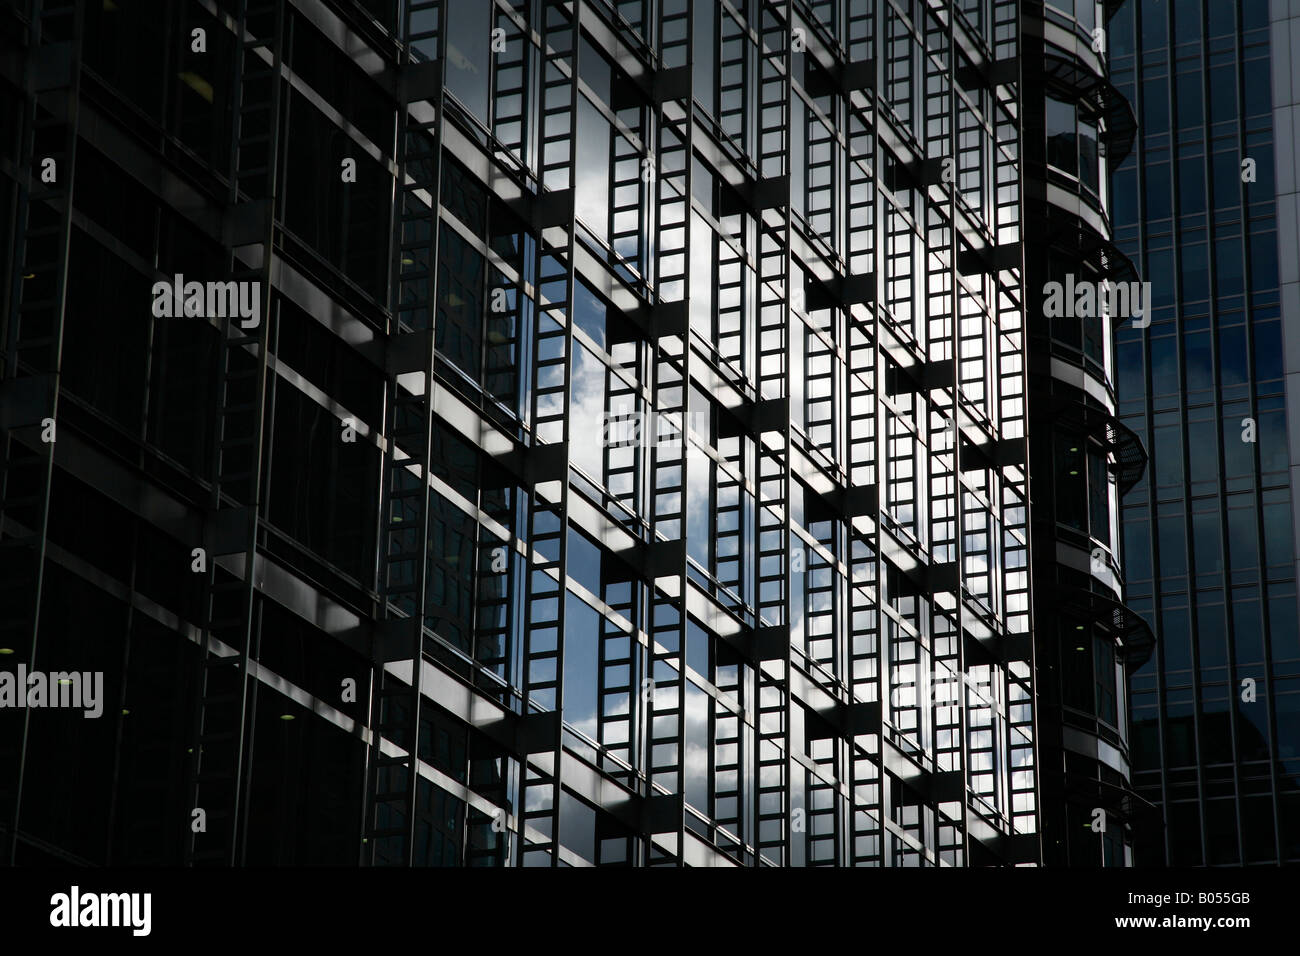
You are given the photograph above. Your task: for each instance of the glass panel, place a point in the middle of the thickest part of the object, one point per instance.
(1099, 496)
(1104, 669)
(1071, 488)
(1089, 168)
(1085, 11)
(468, 37)
(1076, 667)
(1062, 150)
(593, 168)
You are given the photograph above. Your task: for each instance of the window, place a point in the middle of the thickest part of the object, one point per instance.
(1137, 550)
(1071, 482)
(592, 194)
(1155, 26)
(130, 53)
(1190, 103)
(1062, 145)
(1089, 169)
(1223, 18)
(459, 329)
(1103, 656)
(1120, 30)
(1159, 191)
(1155, 106)
(1207, 547)
(1083, 11)
(1089, 676)
(468, 39)
(1187, 20)
(348, 228)
(1223, 94)
(320, 492)
(1098, 496)
(1072, 144)
(1082, 482)
(1076, 666)
(1094, 342)
(339, 81)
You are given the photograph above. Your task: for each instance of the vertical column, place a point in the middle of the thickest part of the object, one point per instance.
(552, 350)
(669, 454)
(393, 833)
(943, 684)
(510, 104)
(774, 322)
(33, 343)
(1011, 484)
(226, 699)
(864, 679)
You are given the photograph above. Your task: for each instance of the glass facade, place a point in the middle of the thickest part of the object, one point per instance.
(1208, 532)
(627, 463)
(1078, 127)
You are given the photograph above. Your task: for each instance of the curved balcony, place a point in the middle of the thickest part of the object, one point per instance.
(1074, 375)
(1081, 243)
(1117, 438)
(1120, 802)
(1131, 458)
(1134, 639)
(1086, 86)
(1077, 241)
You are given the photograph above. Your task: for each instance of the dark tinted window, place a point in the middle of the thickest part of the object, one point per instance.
(1062, 149)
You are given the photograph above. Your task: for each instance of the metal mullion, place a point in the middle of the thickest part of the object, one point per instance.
(957, 507)
(248, 709)
(241, 783)
(22, 218)
(407, 138)
(422, 561)
(544, 314)
(786, 465)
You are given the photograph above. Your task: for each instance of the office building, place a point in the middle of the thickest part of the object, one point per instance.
(1206, 206)
(614, 447)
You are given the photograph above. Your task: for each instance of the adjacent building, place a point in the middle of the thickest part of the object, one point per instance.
(1205, 206)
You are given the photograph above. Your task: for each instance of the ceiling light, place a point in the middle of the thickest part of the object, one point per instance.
(197, 83)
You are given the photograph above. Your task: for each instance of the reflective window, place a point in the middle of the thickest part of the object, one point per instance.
(1098, 496)
(1103, 656)
(1089, 167)
(468, 56)
(1062, 143)
(1071, 482)
(1072, 144)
